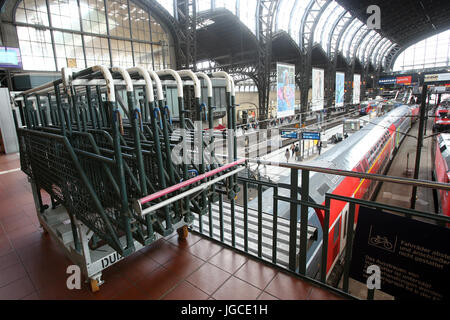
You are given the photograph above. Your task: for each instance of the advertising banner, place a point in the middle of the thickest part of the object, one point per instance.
(317, 89)
(356, 89)
(404, 80)
(386, 81)
(285, 90)
(437, 77)
(413, 257)
(340, 83)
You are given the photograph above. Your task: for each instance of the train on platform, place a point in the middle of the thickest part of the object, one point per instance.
(369, 150)
(441, 171)
(367, 107)
(441, 120)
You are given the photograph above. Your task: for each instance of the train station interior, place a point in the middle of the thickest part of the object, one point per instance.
(225, 150)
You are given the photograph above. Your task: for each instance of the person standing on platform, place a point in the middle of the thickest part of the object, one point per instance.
(287, 155)
(293, 149)
(297, 152)
(319, 146)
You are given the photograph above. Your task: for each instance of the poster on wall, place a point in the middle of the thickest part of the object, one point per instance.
(356, 88)
(285, 90)
(317, 89)
(340, 82)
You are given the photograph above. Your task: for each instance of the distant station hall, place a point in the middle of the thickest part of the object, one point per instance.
(198, 150)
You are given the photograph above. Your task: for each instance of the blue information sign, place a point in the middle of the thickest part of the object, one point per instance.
(311, 135)
(289, 134)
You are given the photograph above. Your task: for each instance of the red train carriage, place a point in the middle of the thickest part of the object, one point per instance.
(442, 170)
(441, 121)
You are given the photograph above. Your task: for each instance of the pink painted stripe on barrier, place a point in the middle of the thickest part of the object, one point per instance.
(183, 184)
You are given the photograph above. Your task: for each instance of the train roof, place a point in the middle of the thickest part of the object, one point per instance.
(444, 144)
(344, 156)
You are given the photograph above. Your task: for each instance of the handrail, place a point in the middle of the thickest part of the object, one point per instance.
(354, 174)
(201, 187)
(193, 77)
(176, 76)
(208, 82)
(146, 76)
(187, 183)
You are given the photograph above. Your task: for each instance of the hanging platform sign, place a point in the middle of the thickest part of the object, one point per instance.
(413, 256)
(311, 135)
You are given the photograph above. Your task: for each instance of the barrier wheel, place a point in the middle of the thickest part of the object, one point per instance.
(94, 286)
(183, 232)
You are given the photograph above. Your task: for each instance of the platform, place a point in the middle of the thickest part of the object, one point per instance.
(33, 267)
(403, 166)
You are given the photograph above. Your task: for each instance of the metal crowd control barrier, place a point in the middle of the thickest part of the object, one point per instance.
(96, 149)
(283, 242)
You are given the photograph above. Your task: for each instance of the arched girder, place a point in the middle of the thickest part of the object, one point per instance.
(277, 9)
(383, 53)
(311, 17)
(333, 29)
(392, 57)
(359, 43)
(291, 16)
(316, 22)
(332, 13)
(341, 34)
(346, 35)
(372, 48)
(355, 39)
(374, 56)
(363, 49)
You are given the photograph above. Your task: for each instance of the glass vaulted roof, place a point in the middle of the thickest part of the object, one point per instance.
(355, 40)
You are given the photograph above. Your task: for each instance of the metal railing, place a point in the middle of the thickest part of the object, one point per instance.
(263, 243)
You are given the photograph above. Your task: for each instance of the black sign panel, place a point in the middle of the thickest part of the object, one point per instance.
(413, 256)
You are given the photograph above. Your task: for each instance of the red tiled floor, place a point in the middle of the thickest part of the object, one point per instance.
(208, 278)
(186, 291)
(204, 249)
(183, 264)
(256, 274)
(184, 243)
(9, 260)
(33, 267)
(161, 251)
(157, 283)
(320, 294)
(286, 287)
(266, 296)
(17, 289)
(57, 291)
(228, 260)
(236, 289)
(5, 246)
(11, 274)
(33, 296)
(115, 285)
(137, 266)
(132, 293)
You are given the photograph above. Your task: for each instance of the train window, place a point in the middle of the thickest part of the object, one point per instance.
(337, 227)
(443, 148)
